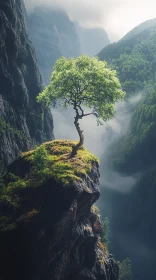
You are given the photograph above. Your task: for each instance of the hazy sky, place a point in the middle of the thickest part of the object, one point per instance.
(116, 16)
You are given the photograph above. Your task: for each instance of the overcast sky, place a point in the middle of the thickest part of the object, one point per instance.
(116, 16)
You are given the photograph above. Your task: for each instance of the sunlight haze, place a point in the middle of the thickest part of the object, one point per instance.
(117, 17)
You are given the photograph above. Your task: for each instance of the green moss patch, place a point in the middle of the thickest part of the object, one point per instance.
(51, 160)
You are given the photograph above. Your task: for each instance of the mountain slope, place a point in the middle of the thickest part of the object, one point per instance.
(21, 123)
(133, 59)
(53, 35)
(151, 23)
(133, 154)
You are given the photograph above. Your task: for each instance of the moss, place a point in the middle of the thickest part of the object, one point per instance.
(9, 227)
(103, 246)
(101, 252)
(29, 216)
(51, 160)
(95, 210)
(6, 223)
(16, 187)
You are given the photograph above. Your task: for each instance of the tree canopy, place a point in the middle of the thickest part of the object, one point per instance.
(82, 82)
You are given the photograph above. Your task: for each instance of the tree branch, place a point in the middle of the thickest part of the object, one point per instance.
(88, 114)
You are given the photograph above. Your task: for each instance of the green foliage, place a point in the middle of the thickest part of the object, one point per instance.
(140, 138)
(6, 223)
(134, 60)
(2, 186)
(125, 270)
(40, 161)
(135, 63)
(53, 160)
(83, 81)
(16, 187)
(105, 234)
(95, 209)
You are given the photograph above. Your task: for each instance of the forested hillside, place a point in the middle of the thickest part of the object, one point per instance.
(134, 60)
(133, 154)
(151, 23)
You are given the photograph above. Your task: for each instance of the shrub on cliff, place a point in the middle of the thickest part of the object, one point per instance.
(125, 270)
(105, 238)
(40, 161)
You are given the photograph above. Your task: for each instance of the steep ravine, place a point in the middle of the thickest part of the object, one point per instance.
(131, 156)
(49, 225)
(21, 124)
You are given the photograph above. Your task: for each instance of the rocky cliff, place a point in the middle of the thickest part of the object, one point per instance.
(53, 35)
(49, 225)
(21, 124)
(92, 40)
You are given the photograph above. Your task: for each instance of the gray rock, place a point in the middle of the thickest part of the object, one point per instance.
(21, 125)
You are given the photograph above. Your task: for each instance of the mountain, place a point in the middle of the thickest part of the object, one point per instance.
(53, 35)
(151, 23)
(133, 59)
(92, 40)
(49, 225)
(21, 123)
(132, 155)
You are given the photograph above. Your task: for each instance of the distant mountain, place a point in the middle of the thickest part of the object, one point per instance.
(151, 23)
(92, 40)
(53, 35)
(133, 59)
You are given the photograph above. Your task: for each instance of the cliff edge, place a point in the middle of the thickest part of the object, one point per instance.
(49, 225)
(21, 124)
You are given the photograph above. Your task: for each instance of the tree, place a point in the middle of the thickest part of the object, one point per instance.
(105, 234)
(125, 270)
(82, 82)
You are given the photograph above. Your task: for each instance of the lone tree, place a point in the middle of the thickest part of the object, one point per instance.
(82, 82)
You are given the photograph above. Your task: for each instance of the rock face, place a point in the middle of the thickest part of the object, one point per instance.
(92, 40)
(55, 230)
(21, 124)
(53, 35)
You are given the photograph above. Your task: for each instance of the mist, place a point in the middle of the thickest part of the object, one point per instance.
(98, 139)
(117, 17)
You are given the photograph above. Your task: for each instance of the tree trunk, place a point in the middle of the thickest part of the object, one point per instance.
(81, 141)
